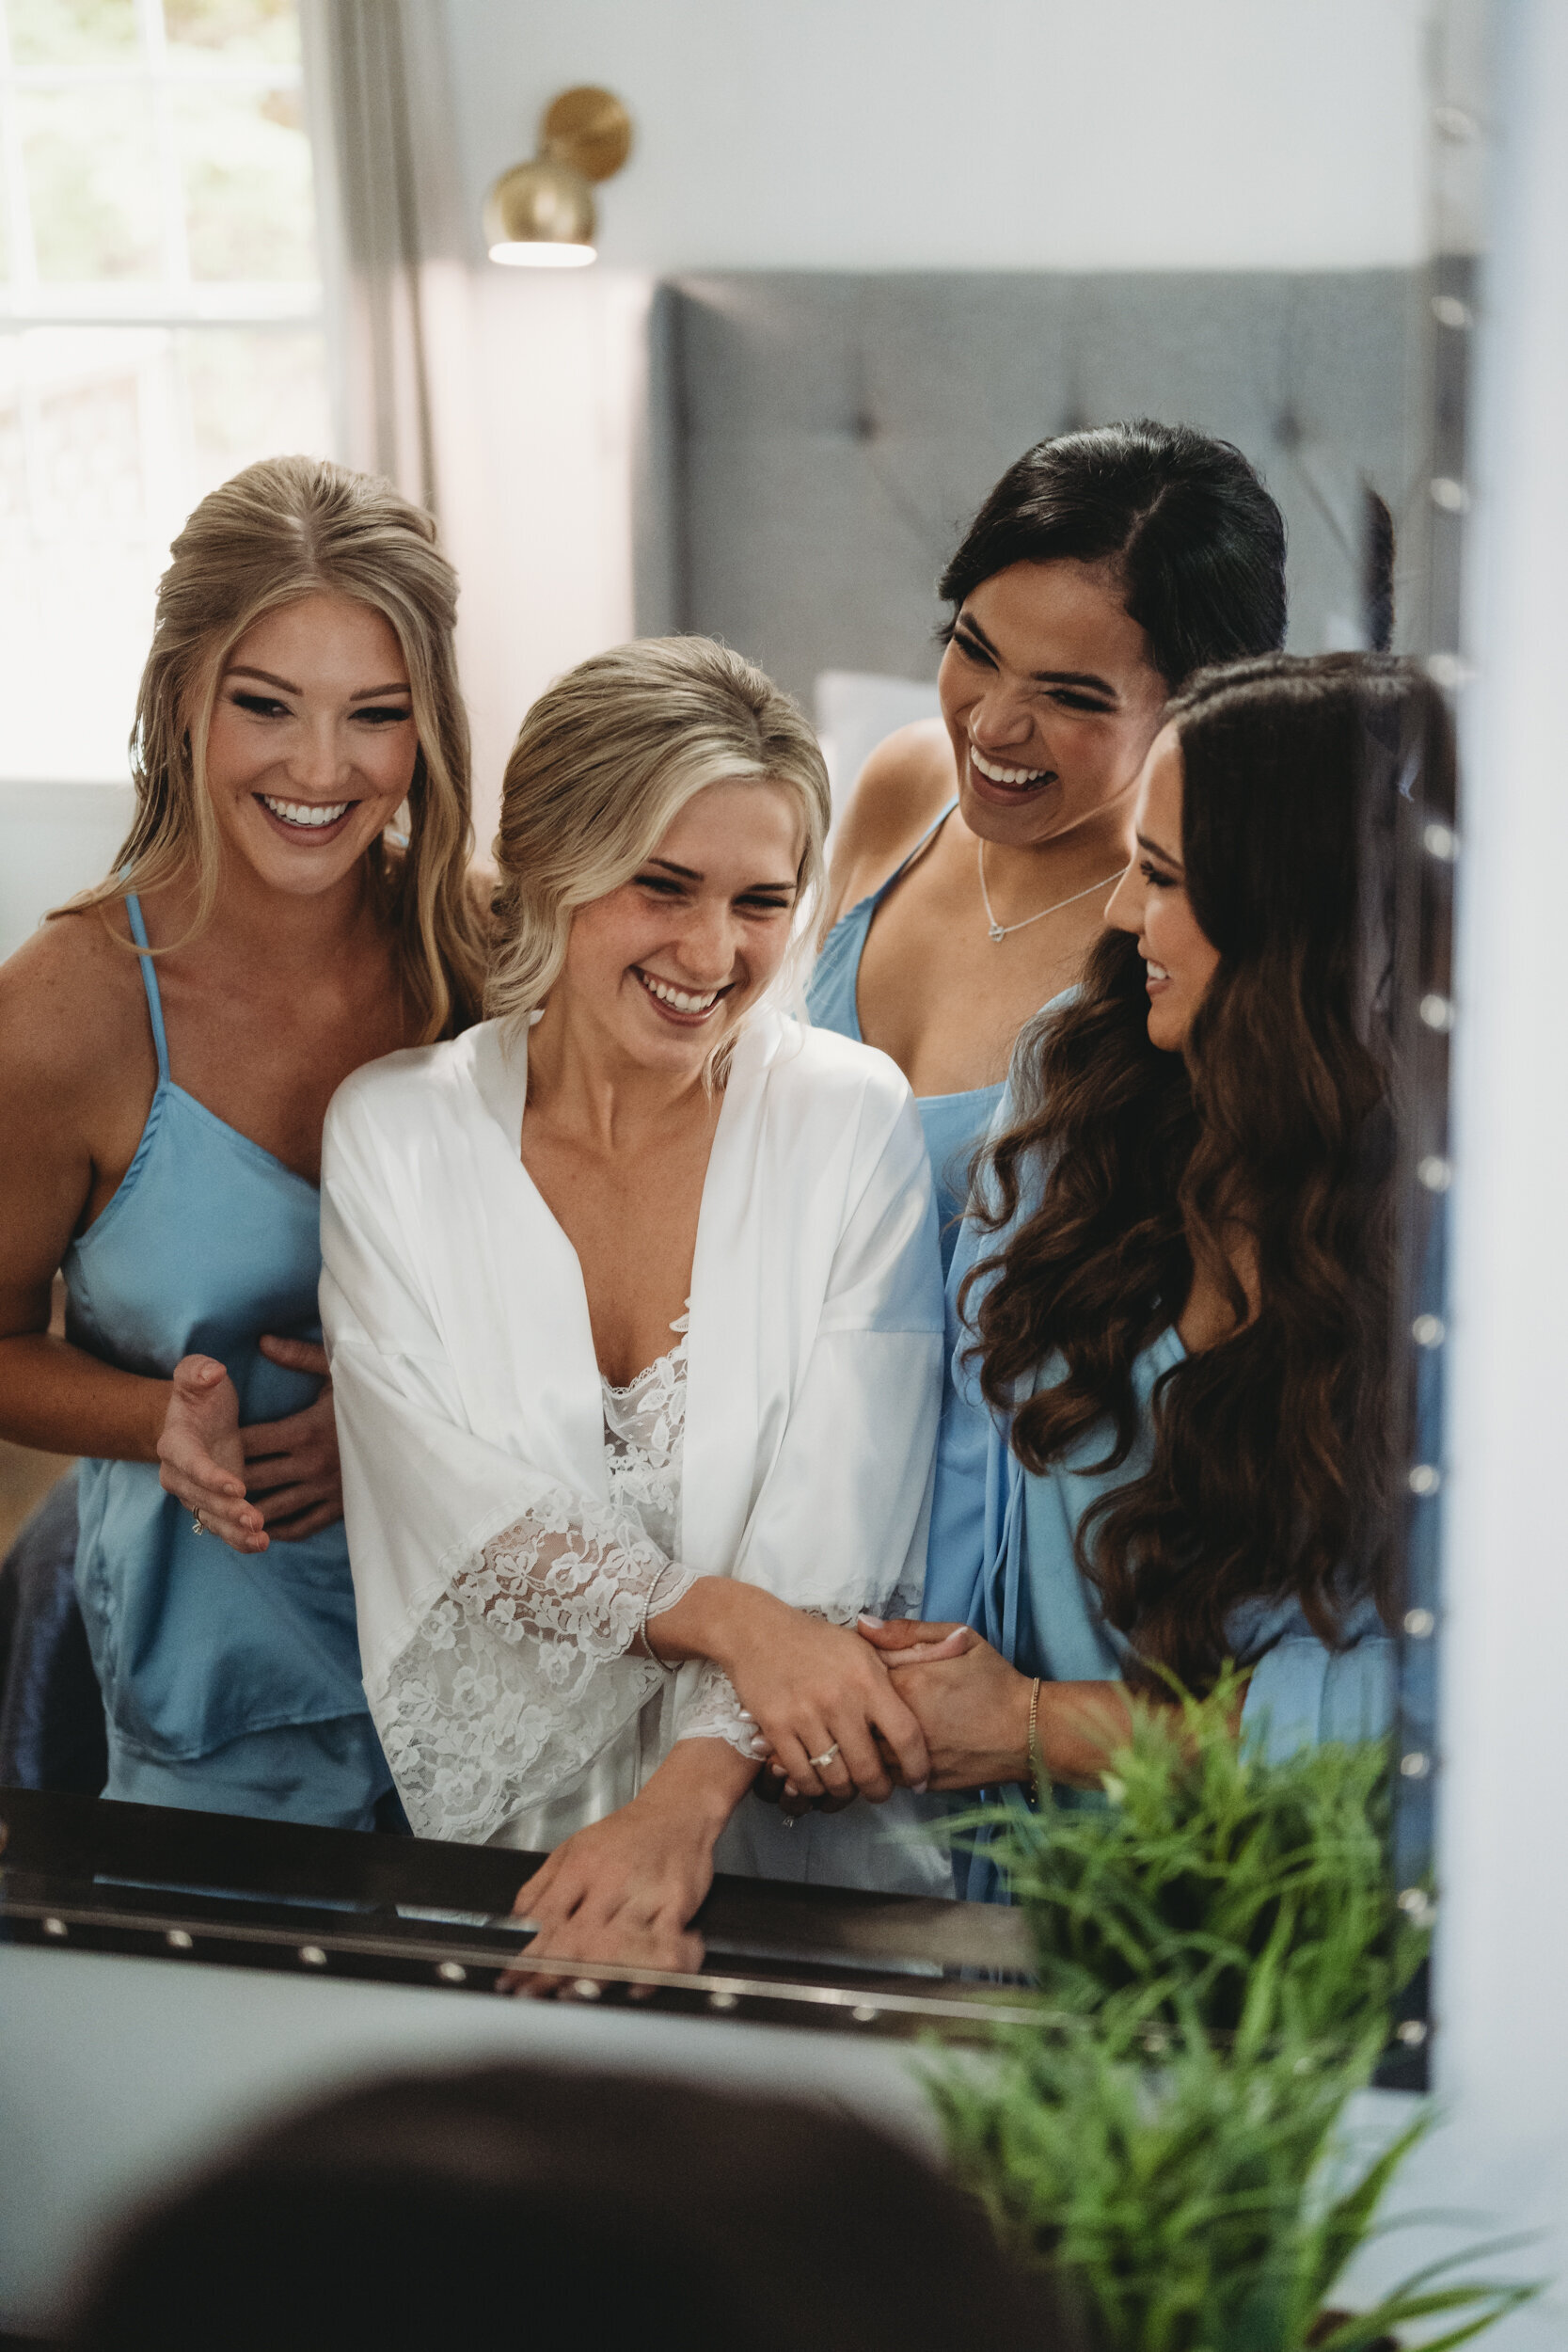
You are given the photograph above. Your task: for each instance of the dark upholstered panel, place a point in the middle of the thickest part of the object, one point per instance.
(817, 441)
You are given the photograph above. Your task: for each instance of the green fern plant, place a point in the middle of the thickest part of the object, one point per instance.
(1219, 1950)
(1201, 2208)
(1208, 1878)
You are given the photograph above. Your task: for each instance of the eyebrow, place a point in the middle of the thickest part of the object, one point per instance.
(690, 873)
(1085, 678)
(1146, 841)
(269, 677)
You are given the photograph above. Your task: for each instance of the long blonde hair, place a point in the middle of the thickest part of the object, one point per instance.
(290, 528)
(604, 762)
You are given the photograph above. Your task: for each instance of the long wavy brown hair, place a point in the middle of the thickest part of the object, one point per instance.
(1270, 1456)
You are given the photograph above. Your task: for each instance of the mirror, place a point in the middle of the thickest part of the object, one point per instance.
(857, 265)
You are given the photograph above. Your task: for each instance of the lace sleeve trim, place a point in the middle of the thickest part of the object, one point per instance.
(582, 1577)
(712, 1710)
(519, 1671)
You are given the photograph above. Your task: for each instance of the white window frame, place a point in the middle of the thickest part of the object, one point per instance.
(175, 299)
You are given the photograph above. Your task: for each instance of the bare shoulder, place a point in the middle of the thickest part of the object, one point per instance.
(72, 1007)
(900, 792)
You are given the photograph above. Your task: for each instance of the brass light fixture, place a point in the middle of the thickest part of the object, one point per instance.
(540, 215)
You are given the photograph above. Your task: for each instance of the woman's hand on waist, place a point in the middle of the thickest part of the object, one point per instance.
(817, 1691)
(202, 1453)
(624, 1890)
(291, 1465)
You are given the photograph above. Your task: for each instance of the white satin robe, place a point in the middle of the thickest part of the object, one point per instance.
(468, 1397)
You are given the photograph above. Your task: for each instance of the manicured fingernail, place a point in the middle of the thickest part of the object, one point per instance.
(919, 1786)
(778, 1771)
(866, 1619)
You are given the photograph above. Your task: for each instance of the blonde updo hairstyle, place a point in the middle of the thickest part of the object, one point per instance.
(604, 762)
(284, 529)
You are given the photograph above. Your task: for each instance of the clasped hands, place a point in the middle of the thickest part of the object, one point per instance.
(972, 1709)
(839, 1712)
(971, 1705)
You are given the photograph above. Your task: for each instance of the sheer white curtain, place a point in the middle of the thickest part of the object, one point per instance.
(382, 113)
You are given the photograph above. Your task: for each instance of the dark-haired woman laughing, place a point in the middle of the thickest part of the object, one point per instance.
(973, 862)
(1165, 1440)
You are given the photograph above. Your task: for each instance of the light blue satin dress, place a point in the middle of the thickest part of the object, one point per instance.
(1002, 1557)
(230, 1682)
(954, 1124)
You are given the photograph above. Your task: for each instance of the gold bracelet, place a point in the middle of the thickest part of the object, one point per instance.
(1037, 1762)
(665, 1665)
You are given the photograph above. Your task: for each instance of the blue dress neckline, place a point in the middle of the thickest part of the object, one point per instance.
(208, 1241)
(954, 1125)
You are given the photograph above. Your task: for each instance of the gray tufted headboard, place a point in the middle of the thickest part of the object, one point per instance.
(815, 442)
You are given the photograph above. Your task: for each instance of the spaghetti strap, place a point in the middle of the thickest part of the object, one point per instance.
(920, 848)
(150, 980)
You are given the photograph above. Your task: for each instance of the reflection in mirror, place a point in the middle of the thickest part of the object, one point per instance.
(740, 1443)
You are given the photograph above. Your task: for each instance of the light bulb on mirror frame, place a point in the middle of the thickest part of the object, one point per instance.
(541, 215)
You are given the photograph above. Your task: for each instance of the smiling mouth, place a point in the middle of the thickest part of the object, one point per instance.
(1015, 778)
(1158, 975)
(305, 816)
(689, 1007)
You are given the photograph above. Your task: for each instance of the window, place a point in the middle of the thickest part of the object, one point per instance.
(160, 327)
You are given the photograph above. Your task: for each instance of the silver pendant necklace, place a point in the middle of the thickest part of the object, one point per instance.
(1003, 930)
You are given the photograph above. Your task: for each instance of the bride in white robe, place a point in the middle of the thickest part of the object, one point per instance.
(609, 1554)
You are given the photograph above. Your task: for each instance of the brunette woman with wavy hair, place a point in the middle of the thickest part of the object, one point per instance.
(1165, 1441)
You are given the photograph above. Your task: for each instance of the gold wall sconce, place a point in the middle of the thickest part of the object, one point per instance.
(540, 215)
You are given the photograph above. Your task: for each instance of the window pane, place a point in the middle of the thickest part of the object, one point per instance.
(259, 32)
(252, 393)
(92, 181)
(76, 578)
(73, 32)
(250, 210)
(109, 437)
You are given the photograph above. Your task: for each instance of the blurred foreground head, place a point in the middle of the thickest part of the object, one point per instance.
(539, 2207)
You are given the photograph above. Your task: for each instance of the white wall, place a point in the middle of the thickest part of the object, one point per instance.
(974, 134)
(1504, 1950)
(55, 840)
(537, 392)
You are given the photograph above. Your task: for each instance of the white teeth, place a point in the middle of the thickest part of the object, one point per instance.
(308, 813)
(677, 998)
(1157, 971)
(995, 774)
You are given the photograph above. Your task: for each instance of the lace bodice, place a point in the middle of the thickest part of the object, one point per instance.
(508, 1663)
(644, 1424)
(644, 1429)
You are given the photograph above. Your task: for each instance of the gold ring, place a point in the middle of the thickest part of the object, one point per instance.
(816, 1762)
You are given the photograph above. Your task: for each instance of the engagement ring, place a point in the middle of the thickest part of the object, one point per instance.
(197, 1528)
(827, 1757)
